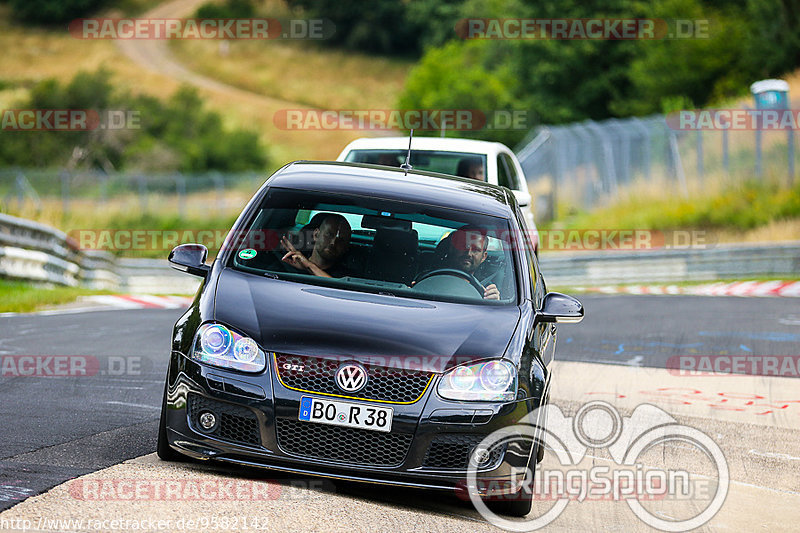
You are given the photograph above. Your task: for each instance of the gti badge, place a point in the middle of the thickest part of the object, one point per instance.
(351, 377)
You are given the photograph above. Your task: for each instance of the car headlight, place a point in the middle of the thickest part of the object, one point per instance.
(216, 345)
(490, 381)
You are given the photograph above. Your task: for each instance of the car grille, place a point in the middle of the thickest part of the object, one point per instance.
(452, 451)
(234, 423)
(348, 445)
(385, 384)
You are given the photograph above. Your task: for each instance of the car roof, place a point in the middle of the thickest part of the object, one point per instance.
(392, 183)
(447, 144)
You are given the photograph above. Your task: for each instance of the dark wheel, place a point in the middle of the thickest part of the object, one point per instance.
(163, 449)
(521, 503)
(453, 272)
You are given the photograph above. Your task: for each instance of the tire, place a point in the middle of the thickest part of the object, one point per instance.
(163, 449)
(522, 503)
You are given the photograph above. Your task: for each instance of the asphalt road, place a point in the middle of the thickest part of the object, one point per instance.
(57, 428)
(648, 330)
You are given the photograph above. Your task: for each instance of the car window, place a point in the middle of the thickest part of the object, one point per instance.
(453, 163)
(513, 179)
(537, 287)
(502, 173)
(372, 245)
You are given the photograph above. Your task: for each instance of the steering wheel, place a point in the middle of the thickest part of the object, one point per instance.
(452, 272)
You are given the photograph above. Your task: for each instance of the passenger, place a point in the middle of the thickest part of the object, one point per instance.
(331, 242)
(471, 167)
(467, 250)
(388, 160)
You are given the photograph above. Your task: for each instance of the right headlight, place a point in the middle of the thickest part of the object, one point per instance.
(481, 382)
(217, 345)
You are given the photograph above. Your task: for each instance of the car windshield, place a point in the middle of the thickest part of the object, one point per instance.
(467, 165)
(381, 246)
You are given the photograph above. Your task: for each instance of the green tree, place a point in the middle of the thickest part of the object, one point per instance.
(53, 11)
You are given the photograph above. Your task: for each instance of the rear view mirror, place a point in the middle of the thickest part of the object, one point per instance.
(561, 308)
(190, 258)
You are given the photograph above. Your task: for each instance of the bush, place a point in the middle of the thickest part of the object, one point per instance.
(178, 134)
(231, 9)
(53, 11)
(561, 81)
(463, 75)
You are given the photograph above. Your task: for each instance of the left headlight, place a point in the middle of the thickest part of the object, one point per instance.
(490, 381)
(216, 345)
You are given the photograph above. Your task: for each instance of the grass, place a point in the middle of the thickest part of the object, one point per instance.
(299, 72)
(743, 211)
(36, 53)
(282, 75)
(21, 297)
(121, 220)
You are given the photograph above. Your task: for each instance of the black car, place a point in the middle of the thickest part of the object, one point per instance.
(368, 324)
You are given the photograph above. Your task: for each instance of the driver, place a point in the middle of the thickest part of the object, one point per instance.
(467, 250)
(331, 242)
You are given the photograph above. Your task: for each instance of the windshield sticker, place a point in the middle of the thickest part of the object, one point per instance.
(247, 253)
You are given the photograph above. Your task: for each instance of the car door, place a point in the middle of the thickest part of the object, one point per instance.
(507, 176)
(544, 334)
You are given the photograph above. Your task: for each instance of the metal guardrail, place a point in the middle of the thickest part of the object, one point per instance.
(35, 252)
(154, 276)
(647, 266)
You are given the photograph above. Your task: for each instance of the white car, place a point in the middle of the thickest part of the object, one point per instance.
(492, 162)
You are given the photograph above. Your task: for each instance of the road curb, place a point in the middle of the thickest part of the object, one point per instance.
(786, 289)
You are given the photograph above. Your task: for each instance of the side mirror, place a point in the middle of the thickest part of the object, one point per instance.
(560, 308)
(190, 258)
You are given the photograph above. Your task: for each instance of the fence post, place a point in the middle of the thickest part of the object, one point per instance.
(219, 186)
(725, 159)
(676, 158)
(19, 183)
(180, 187)
(758, 152)
(700, 153)
(104, 177)
(142, 193)
(790, 154)
(65, 191)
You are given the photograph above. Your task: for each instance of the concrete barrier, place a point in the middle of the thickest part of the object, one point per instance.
(648, 266)
(31, 251)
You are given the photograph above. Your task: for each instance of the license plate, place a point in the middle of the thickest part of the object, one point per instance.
(348, 414)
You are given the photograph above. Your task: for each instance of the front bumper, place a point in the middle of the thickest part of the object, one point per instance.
(258, 409)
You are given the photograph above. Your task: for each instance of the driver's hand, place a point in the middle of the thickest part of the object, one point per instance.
(297, 260)
(287, 244)
(491, 292)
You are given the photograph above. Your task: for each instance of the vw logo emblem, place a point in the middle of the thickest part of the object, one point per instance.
(351, 377)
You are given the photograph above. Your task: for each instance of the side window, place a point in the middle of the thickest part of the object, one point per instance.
(512, 172)
(502, 173)
(537, 288)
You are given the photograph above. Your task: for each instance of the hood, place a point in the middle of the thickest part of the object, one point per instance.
(294, 318)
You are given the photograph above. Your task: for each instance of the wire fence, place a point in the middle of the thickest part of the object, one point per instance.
(587, 164)
(35, 190)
